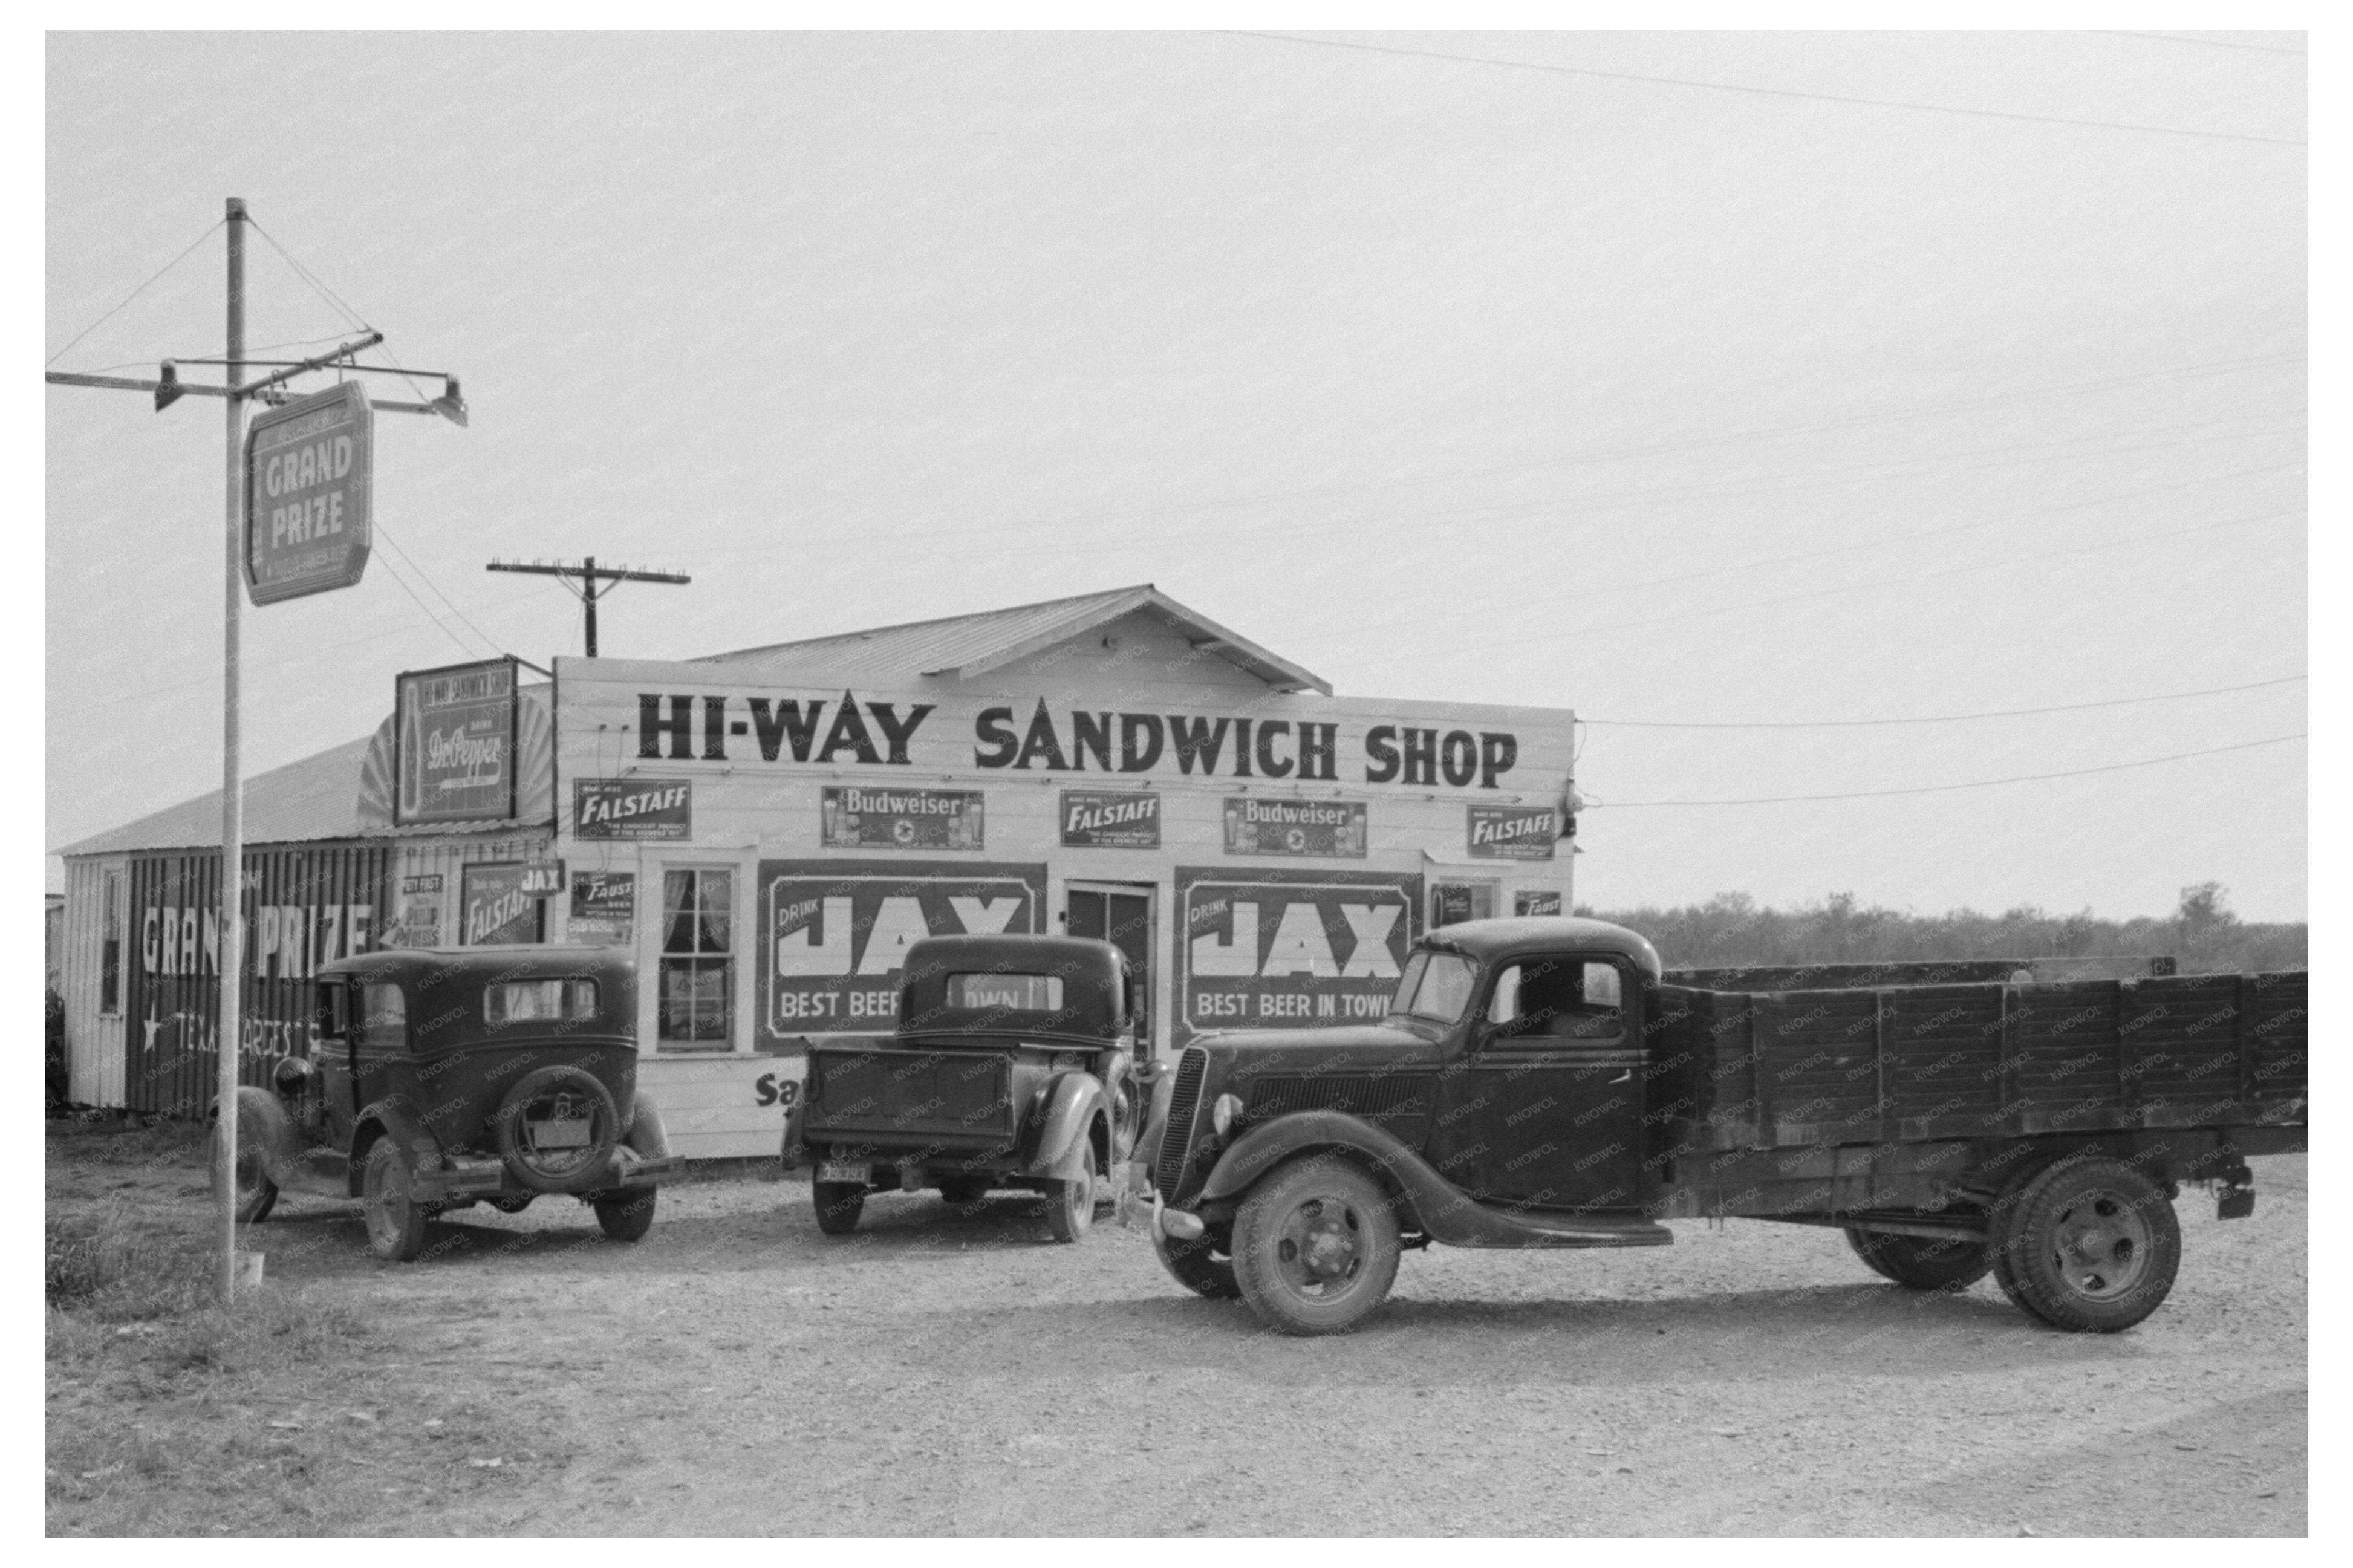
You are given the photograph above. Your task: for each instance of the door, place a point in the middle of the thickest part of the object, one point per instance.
(1548, 1111)
(1120, 914)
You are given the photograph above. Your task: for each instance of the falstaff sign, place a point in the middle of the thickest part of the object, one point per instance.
(834, 934)
(454, 744)
(677, 714)
(1098, 819)
(1289, 948)
(1511, 833)
(632, 808)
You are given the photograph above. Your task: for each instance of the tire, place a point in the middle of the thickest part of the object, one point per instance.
(257, 1194)
(1192, 1265)
(1070, 1206)
(568, 1169)
(838, 1206)
(1316, 1247)
(2090, 1246)
(627, 1214)
(395, 1221)
(967, 1190)
(1922, 1263)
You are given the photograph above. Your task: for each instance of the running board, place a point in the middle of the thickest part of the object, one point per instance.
(1468, 1223)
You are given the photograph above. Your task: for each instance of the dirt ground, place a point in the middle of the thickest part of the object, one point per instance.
(955, 1373)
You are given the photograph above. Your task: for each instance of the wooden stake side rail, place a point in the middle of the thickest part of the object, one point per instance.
(1751, 1071)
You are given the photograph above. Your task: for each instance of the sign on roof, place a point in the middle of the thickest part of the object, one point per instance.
(454, 744)
(309, 470)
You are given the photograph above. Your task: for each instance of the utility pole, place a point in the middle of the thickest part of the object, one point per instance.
(168, 389)
(588, 573)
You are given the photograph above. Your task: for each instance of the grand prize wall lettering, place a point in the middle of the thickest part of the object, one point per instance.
(1281, 949)
(834, 933)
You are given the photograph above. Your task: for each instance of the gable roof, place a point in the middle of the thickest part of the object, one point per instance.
(317, 797)
(966, 646)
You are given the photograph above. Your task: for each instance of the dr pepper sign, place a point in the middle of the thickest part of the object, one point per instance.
(309, 469)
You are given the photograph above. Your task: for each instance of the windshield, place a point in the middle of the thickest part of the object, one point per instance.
(1436, 986)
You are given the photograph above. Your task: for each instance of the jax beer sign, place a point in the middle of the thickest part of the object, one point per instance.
(632, 808)
(1104, 819)
(1512, 832)
(865, 816)
(309, 469)
(1327, 828)
(834, 934)
(1280, 949)
(454, 744)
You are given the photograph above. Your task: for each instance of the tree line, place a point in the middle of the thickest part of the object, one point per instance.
(2202, 936)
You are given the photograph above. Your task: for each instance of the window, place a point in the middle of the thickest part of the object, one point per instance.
(110, 957)
(532, 1001)
(1015, 993)
(698, 969)
(1435, 986)
(384, 1019)
(1558, 999)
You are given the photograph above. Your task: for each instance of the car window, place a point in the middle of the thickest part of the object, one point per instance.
(384, 1018)
(528, 1000)
(1436, 986)
(1553, 999)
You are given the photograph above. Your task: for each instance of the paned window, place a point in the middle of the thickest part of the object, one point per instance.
(698, 964)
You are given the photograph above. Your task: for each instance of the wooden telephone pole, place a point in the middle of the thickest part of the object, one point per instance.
(588, 573)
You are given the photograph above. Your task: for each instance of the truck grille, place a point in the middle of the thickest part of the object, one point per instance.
(1179, 1135)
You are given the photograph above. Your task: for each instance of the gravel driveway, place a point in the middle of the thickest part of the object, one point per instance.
(946, 1373)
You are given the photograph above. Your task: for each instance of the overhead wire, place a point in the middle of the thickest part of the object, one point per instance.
(2205, 43)
(488, 641)
(1945, 718)
(318, 286)
(1769, 91)
(132, 295)
(1593, 804)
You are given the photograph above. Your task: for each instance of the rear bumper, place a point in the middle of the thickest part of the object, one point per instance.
(465, 1176)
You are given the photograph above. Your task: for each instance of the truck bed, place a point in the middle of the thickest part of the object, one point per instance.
(1753, 1070)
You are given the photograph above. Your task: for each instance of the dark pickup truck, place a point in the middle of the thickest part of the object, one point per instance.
(1013, 1065)
(1535, 1085)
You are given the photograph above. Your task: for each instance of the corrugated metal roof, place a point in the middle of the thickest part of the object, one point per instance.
(317, 797)
(975, 643)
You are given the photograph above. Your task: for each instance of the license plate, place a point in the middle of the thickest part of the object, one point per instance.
(560, 1135)
(842, 1170)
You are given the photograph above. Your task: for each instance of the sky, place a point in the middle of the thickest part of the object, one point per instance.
(1538, 368)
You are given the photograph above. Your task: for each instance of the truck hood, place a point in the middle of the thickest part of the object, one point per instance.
(1241, 1053)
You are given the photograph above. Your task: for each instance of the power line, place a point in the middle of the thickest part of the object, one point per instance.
(132, 295)
(1771, 91)
(431, 616)
(318, 286)
(488, 641)
(1935, 789)
(1947, 718)
(2205, 43)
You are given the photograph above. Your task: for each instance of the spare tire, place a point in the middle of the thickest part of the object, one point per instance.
(555, 1130)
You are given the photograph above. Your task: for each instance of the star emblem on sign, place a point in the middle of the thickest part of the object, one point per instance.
(903, 831)
(1297, 839)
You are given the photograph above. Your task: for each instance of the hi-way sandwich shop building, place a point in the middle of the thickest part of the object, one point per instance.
(771, 830)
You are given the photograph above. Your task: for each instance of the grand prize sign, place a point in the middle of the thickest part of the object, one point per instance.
(309, 471)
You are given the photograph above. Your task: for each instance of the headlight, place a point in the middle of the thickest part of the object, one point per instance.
(1225, 1113)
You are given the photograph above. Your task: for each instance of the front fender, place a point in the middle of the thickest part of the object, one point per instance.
(1074, 1102)
(1431, 1202)
(647, 1134)
(392, 1118)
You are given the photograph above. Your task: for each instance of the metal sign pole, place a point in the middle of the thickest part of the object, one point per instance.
(232, 879)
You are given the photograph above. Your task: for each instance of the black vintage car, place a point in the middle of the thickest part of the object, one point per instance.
(440, 1078)
(1013, 1066)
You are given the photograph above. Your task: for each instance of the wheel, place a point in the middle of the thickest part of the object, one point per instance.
(555, 1129)
(257, 1194)
(1192, 1265)
(966, 1190)
(395, 1221)
(838, 1206)
(1920, 1262)
(628, 1214)
(1316, 1247)
(1126, 1121)
(2090, 1246)
(1070, 1206)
